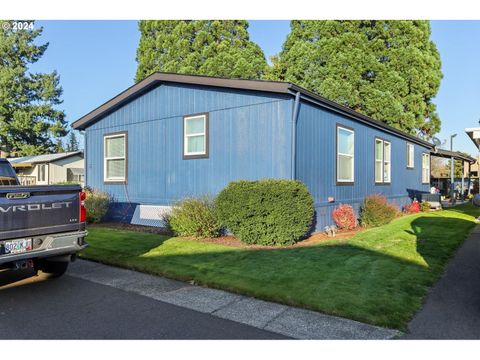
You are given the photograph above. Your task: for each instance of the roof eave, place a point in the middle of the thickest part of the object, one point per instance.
(240, 84)
(470, 132)
(21, 165)
(159, 78)
(31, 159)
(358, 116)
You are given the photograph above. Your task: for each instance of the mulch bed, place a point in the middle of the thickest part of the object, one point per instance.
(232, 241)
(314, 239)
(132, 227)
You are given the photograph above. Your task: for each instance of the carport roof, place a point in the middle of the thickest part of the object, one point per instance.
(455, 154)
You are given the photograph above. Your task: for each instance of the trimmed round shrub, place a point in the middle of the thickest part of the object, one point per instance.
(97, 204)
(344, 217)
(376, 211)
(194, 217)
(266, 212)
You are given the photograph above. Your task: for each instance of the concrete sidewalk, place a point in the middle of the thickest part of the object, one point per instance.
(452, 308)
(277, 318)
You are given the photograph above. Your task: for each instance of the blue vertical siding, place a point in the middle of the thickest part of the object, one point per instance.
(316, 163)
(250, 137)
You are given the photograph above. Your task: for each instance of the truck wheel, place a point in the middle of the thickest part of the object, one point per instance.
(54, 268)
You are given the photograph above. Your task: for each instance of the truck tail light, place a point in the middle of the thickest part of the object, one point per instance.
(83, 211)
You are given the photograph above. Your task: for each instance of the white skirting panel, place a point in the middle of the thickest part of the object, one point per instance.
(150, 215)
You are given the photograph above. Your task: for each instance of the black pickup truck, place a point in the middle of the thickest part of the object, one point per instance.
(41, 227)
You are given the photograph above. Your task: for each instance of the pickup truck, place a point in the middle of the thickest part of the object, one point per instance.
(41, 227)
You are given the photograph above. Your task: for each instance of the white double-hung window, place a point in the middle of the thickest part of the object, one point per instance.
(195, 136)
(383, 167)
(410, 156)
(425, 168)
(387, 155)
(345, 155)
(115, 157)
(41, 172)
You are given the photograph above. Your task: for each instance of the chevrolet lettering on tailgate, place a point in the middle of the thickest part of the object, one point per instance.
(36, 207)
(41, 227)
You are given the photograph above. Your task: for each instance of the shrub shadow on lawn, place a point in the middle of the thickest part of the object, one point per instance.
(342, 280)
(379, 276)
(435, 237)
(136, 245)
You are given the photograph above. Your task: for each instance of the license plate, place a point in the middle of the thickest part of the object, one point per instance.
(18, 246)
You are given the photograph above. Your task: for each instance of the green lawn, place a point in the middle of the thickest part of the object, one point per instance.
(380, 276)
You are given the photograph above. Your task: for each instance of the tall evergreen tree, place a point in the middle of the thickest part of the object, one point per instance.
(29, 121)
(72, 142)
(201, 47)
(59, 148)
(457, 166)
(389, 70)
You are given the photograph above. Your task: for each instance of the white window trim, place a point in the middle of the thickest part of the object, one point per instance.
(389, 162)
(44, 179)
(106, 159)
(186, 136)
(412, 157)
(383, 161)
(425, 179)
(352, 156)
(377, 140)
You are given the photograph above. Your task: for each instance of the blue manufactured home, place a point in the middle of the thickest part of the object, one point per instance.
(172, 136)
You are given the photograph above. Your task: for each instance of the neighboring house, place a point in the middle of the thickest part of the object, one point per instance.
(171, 136)
(50, 168)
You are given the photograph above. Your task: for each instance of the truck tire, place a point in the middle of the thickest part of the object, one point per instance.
(54, 268)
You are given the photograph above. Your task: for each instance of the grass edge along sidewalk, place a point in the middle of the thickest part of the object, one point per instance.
(379, 276)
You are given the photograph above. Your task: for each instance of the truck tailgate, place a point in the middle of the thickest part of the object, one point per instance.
(38, 210)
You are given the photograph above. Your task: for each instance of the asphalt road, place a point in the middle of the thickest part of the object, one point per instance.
(72, 308)
(452, 308)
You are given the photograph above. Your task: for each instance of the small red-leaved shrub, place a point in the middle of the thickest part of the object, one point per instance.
(344, 217)
(376, 211)
(412, 208)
